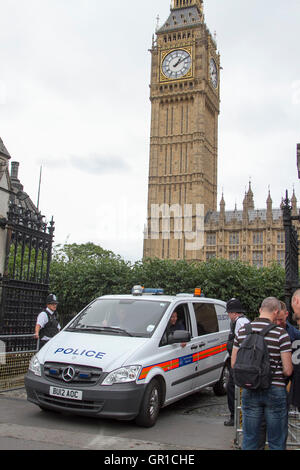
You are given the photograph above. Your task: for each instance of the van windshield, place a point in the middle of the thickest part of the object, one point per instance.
(130, 317)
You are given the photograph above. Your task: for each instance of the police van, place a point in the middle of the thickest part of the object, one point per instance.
(126, 356)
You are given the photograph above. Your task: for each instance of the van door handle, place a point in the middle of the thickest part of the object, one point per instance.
(194, 347)
(201, 344)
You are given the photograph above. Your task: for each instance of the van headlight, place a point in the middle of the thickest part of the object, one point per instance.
(122, 375)
(35, 366)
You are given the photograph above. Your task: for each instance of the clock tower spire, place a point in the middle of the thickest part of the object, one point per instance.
(185, 98)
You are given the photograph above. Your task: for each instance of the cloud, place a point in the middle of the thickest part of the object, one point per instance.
(93, 164)
(99, 164)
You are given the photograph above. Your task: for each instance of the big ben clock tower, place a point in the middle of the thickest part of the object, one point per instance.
(185, 98)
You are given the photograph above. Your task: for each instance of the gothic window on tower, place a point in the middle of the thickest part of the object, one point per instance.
(210, 239)
(234, 255)
(257, 259)
(280, 237)
(258, 238)
(281, 258)
(210, 255)
(234, 238)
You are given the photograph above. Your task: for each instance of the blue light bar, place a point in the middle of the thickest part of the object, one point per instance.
(153, 291)
(139, 290)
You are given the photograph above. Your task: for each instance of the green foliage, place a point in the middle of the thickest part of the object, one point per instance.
(224, 279)
(172, 276)
(80, 273)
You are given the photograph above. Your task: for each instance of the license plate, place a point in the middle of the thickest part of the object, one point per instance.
(66, 393)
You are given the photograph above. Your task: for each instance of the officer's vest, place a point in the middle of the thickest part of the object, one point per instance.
(51, 328)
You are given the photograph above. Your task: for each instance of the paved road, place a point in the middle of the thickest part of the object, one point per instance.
(194, 423)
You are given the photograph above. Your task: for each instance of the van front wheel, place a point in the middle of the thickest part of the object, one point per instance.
(149, 411)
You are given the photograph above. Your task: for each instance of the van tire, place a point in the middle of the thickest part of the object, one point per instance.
(150, 406)
(220, 388)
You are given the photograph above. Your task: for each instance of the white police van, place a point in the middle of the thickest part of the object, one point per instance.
(121, 358)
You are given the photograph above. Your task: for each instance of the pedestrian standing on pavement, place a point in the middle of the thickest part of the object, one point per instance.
(270, 403)
(47, 325)
(294, 395)
(282, 320)
(236, 313)
(294, 333)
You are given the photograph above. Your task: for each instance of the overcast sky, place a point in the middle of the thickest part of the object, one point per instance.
(74, 98)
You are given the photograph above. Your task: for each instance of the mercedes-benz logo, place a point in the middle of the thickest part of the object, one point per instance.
(68, 374)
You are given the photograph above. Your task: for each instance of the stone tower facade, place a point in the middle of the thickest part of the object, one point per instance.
(254, 236)
(182, 187)
(185, 97)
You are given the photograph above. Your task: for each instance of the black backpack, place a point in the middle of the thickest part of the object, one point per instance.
(252, 369)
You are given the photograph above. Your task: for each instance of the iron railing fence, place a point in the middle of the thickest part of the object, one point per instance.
(15, 354)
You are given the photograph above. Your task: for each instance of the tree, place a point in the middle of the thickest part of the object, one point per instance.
(80, 273)
(172, 276)
(223, 279)
(218, 278)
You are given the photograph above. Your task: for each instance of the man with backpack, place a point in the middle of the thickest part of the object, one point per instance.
(261, 361)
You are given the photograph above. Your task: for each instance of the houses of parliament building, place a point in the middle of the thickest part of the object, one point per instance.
(183, 164)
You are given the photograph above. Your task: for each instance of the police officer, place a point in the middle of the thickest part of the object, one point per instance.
(238, 319)
(47, 324)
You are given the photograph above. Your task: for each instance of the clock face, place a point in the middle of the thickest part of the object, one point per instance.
(213, 71)
(176, 64)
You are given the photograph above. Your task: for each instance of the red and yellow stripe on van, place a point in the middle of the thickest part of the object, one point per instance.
(209, 352)
(184, 360)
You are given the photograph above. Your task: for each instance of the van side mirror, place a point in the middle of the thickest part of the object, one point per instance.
(179, 336)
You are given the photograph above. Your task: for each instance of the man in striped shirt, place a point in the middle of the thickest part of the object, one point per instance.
(271, 403)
